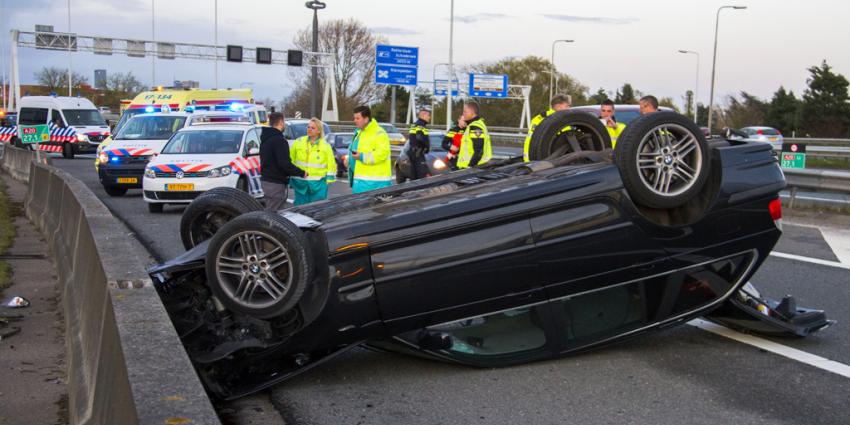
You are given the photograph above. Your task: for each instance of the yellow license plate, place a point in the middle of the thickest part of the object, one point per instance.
(772, 139)
(128, 179)
(180, 186)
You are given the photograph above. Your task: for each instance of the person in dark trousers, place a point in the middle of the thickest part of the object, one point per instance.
(275, 163)
(419, 144)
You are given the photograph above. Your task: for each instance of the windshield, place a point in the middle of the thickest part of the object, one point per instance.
(150, 127)
(389, 128)
(436, 141)
(129, 113)
(83, 117)
(204, 141)
(343, 140)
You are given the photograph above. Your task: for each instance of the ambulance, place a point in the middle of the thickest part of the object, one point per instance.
(211, 152)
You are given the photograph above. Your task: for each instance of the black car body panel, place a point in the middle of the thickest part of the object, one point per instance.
(489, 267)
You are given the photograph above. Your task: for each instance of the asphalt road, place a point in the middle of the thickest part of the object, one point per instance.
(682, 375)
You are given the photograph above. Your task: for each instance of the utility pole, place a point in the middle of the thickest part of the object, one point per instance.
(714, 62)
(392, 106)
(315, 5)
(451, 68)
(70, 63)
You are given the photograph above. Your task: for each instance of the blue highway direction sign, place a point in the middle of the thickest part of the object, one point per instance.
(488, 85)
(395, 75)
(396, 55)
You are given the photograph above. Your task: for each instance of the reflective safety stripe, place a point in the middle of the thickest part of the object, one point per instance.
(310, 164)
(374, 178)
(308, 177)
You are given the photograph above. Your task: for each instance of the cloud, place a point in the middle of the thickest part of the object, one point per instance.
(591, 19)
(480, 17)
(395, 31)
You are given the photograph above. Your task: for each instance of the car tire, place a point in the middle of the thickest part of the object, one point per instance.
(67, 151)
(212, 210)
(663, 160)
(549, 141)
(155, 208)
(115, 190)
(259, 264)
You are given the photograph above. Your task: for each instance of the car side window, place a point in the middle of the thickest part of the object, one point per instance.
(56, 118)
(33, 116)
(252, 141)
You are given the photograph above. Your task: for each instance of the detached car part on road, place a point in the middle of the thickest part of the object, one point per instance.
(509, 263)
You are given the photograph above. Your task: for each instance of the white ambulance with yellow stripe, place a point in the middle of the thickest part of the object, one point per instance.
(207, 154)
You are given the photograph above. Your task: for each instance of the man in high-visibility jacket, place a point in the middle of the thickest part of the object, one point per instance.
(559, 102)
(606, 115)
(475, 146)
(451, 142)
(314, 155)
(368, 159)
(419, 144)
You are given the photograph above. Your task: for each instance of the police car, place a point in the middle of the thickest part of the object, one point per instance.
(211, 152)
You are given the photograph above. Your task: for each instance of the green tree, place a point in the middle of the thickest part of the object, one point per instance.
(825, 110)
(748, 111)
(669, 103)
(598, 97)
(702, 114)
(783, 111)
(626, 95)
(688, 98)
(532, 71)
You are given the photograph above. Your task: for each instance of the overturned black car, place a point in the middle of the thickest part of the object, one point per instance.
(512, 262)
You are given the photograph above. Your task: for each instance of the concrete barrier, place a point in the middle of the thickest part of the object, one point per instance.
(125, 361)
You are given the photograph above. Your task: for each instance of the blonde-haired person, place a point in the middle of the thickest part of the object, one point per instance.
(314, 155)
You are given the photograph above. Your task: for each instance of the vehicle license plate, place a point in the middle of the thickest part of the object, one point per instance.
(128, 179)
(180, 186)
(772, 139)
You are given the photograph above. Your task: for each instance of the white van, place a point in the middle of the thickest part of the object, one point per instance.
(75, 123)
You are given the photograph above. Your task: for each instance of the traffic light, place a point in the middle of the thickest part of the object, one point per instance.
(294, 57)
(234, 53)
(264, 55)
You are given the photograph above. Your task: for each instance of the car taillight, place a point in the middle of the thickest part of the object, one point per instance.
(760, 132)
(775, 208)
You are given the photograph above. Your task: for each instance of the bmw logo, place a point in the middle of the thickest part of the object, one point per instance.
(179, 175)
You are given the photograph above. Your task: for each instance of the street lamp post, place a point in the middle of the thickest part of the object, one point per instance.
(153, 37)
(315, 5)
(552, 62)
(714, 61)
(69, 49)
(696, 83)
(215, 49)
(451, 66)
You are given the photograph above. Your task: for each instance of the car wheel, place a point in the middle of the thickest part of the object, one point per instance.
(663, 159)
(155, 208)
(212, 210)
(67, 151)
(115, 190)
(550, 140)
(259, 264)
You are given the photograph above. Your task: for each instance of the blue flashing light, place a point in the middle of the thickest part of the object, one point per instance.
(115, 159)
(149, 109)
(190, 109)
(235, 107)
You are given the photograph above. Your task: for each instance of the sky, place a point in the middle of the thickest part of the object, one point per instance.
(770, 44)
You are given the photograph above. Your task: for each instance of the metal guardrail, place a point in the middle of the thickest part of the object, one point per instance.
(821, 180)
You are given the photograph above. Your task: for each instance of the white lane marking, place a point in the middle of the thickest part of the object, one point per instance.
(839, 241)
(811, 260)
(782, 350)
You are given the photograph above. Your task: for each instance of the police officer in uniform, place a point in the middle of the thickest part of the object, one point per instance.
(419, 144)
(559, 102)
(475, 148)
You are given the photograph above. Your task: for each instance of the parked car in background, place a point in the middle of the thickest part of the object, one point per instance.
(340, 142)
(396, 138)
(296, 128)
(765, 135)
(436, 159)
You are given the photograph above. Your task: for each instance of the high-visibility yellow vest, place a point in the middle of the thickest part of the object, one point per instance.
(475, 129)
(317, 159)
(615, 133)
(374, 144)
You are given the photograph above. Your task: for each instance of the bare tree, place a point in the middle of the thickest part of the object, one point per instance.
(352, 45)
(55, 79)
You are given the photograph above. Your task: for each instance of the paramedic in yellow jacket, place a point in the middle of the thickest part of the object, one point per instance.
(369, 163)
(606, 115)
(314, 155)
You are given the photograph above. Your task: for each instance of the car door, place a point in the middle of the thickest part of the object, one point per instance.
(461, 266)
(252, 161)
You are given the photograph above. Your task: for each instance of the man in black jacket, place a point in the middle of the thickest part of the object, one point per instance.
(275, 163)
